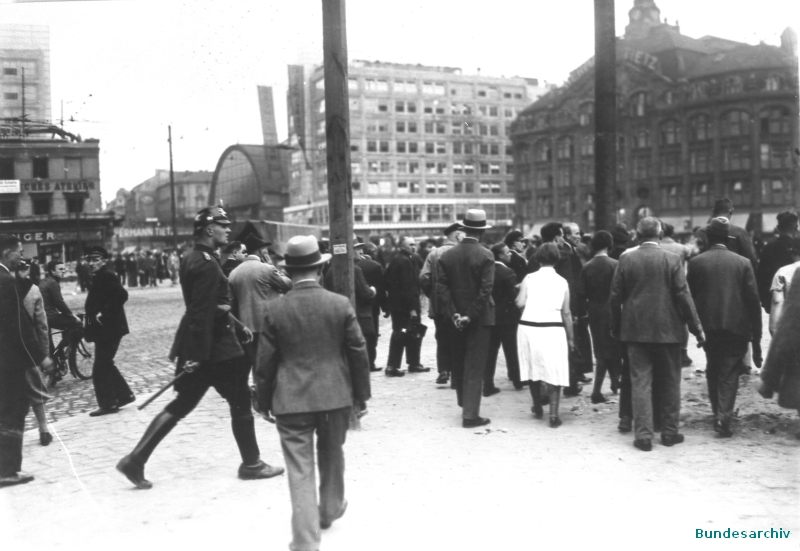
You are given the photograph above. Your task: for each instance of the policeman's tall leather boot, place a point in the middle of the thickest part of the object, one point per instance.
(132, 465)
(252, 467)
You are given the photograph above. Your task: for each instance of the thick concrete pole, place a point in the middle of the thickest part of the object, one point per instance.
(605, 115)
(337, 134)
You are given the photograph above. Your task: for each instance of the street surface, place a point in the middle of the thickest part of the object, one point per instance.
(415, 479)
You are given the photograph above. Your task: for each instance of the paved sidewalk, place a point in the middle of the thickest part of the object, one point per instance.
(416, 480)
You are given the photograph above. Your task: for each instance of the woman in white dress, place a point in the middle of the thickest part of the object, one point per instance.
(545, 336)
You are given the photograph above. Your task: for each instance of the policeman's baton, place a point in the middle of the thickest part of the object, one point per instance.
(166, 387)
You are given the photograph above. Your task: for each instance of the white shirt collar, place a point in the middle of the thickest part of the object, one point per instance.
(6, 268)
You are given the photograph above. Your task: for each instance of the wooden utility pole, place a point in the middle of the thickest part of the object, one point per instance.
(172, 192)
(605, 115)
(337, 135)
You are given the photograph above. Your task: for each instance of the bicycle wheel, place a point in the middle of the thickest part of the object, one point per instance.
(81, 358)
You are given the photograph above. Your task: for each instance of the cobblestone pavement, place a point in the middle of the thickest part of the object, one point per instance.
(415, 478)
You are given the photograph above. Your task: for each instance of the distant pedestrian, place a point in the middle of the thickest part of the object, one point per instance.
(20, 349)
(209, 353)
(723, 287)
(119, 268)
(465, 287)
(132, 271)
(373, 273)
(312, 370)
(36, 271)
(516, 242)
(84, 275)
(174, 265)
(106, 325)
(650, 303)
(776, 254)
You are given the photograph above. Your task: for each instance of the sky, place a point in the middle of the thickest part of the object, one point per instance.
(125, 70)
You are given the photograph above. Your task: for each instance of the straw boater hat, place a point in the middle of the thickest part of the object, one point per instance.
(475, 219)
(302, 251)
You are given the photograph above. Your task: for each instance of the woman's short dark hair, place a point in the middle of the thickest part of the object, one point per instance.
(547, 255)
(602, 240)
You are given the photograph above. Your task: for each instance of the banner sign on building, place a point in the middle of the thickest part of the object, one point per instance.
(9, 186)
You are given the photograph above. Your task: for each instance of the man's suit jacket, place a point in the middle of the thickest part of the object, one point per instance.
(650, 301)
(311, 354)
(106, 296)
(364, 297)
(775, 255)
(466, 277)
(429, 275)
(253, 285)
(739, 242)
(519, 265)
(19, 347)
(373, 273)
(402, 284)
(724, 290)
(504, 294)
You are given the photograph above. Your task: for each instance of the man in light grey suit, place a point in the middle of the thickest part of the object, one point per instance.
(312, 368)
(650, 303)
(254, 284)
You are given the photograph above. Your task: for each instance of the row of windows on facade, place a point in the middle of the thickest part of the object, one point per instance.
(47, 167)
(411, 127)
(362, 214)
(434, 148)
(387, 187)
(732, 124)
(735, 157)
(774, 192)
(414, 167)
(428, 108)
(15, 68)
(42, 205)
(585, 115)
(428, 88)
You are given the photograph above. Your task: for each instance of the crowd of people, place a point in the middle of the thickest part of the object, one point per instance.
(561, 305)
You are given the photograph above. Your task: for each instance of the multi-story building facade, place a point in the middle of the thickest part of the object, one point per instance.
(25, 58)
(426, 143)
(50, 196)
(698, 119)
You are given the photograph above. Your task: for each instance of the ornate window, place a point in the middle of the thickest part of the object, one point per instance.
(638, 104)
(774, 121)
(564, 148)
(670, 132)
(700, 128)
(586, 114)
(735, 123)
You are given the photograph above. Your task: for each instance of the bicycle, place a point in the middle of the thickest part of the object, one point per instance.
(76, 357)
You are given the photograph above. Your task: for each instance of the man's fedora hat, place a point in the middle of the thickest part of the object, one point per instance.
(451, 228)
(254, 243)
(719, 226)
(302, 251)
(475, 219)
(95, 250)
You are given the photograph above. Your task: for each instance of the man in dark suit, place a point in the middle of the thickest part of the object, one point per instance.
(235, 254)
(724, 289)
(775, 255)
(19, 350)
(506, 321)
(402, 290)
(373, 273)
(516, 242)
(445, 330)
(312, 369)
(465, 287)
(106, 324)
(650, 302)
(208, 353)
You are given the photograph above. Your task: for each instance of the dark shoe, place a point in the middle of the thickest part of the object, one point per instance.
(490, 392)
(598, 398)
(129, 400)
(537, 412)
(725, 430)
(375, 369)
(518, 386)
(45, 438)
(103, 411)
(472, 423)
(418, 369)
(394, 372)
(134, 471)
(625, 424)
(327, 524)
(614, 386)
(671, 439)
(555, 422)
(256, 472)
(644, 445)
(570, 391)
(717, 425)
(584, 379)
(14, 479)
(442, 379)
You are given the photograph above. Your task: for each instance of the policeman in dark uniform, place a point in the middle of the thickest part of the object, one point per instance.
(207, 347)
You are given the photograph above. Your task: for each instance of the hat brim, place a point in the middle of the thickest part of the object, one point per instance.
(323, 259)
(359, 245)
(485, 226)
